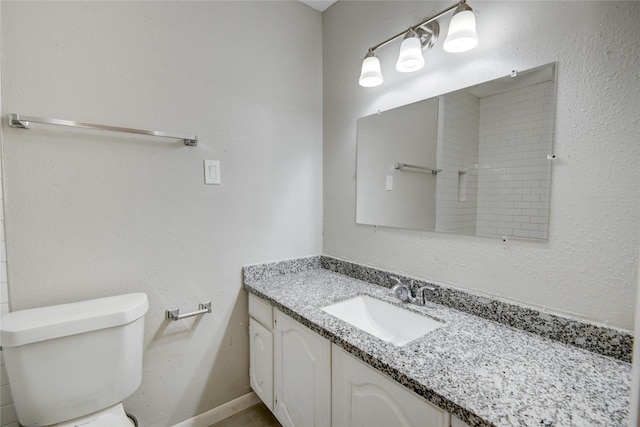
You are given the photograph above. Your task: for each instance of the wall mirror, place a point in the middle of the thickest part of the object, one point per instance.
(476, 161)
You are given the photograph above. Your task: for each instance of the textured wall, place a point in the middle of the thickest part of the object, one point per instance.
(7, 411)
(588, 268)
(92, 214)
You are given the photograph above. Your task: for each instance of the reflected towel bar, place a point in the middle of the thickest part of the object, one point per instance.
(22, 122)
(174, 313)
(405, 165)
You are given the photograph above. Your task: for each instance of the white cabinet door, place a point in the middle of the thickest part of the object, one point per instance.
(302, 375)
(261, 362)
(363, 397)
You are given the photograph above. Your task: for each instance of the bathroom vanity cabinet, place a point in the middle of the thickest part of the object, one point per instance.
(469, 369)
(316, 383)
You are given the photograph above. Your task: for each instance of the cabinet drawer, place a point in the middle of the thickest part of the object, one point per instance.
(261, 311)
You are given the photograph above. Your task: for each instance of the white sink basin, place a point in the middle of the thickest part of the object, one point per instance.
(386, 321)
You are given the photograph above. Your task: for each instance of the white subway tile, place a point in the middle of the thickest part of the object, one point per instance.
(3, 375)
(9, 415)
(538, 234)
(5, 395)
(3, 272)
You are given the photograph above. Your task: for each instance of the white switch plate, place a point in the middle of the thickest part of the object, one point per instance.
(389, 186)
(212, 171)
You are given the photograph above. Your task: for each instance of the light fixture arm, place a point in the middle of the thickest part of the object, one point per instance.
(425, 22)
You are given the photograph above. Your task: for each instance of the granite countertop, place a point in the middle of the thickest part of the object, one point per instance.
(486, 373)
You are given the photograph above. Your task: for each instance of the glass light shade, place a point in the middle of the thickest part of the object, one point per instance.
(371, 75)
(462, 31)
(410, 57)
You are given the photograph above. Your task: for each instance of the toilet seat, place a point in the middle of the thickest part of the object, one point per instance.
(114, 416)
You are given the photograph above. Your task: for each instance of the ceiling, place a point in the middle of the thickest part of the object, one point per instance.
(320, 5)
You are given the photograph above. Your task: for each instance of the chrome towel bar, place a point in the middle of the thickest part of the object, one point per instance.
(22, 122)
(174, 313)
(405, 165)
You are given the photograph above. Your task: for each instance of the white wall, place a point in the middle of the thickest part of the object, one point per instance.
(634, 409)
(588, 268)
(7, 411)
(94, 214)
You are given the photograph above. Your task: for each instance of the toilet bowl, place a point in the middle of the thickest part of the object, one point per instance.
(73, 364)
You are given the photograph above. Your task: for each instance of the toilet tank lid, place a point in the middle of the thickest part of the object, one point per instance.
(56, 321)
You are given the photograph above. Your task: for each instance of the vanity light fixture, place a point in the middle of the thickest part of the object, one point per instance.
(462, 30)
(461, 37)
(410, 57)
(371, 75)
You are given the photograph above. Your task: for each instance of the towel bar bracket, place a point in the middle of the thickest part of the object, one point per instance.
(174, 313)
(15, 122)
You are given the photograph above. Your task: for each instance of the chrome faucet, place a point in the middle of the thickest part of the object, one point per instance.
(420, 294)
(404, 293)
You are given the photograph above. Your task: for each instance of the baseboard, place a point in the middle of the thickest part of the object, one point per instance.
(221, 412)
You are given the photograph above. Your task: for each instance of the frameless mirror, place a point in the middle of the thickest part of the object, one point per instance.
(476, 161)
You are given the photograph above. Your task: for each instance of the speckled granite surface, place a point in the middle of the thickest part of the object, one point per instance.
(602, 340)
(607, 341)
(486, 373)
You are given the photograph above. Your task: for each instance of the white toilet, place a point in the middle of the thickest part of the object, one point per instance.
(73, 364)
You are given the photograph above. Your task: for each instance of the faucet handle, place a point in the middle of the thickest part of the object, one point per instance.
(420, 294)
(400, 290)
(394, 281)
(405, 294)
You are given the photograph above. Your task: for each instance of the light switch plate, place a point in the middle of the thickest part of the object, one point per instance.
(389, 185)
(212, 171)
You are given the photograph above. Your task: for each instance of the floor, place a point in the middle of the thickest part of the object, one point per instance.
(256, 416)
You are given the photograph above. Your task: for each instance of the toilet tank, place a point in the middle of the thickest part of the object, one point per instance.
(70, 360)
